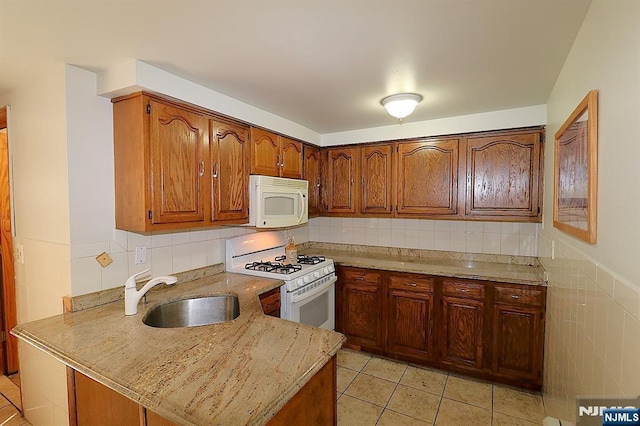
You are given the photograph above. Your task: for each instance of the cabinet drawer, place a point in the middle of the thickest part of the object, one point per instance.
(463, 289)
(519, 295)
(363, 276)
(270, 301)
(411, 282)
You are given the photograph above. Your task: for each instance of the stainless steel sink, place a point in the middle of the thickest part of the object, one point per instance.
(193, 311)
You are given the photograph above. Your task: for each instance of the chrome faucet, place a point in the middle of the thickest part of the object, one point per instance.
(132, 296)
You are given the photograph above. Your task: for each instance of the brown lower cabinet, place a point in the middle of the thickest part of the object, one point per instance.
(270, 302)
(490, 330)
(93, 404)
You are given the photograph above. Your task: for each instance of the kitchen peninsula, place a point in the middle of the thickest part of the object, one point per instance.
(242, 371)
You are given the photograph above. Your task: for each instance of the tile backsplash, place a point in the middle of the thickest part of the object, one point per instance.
(508, 238)
(592, 336)
(167, 252)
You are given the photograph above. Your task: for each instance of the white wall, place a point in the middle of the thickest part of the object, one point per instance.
(135, 75)
(593, 329)
(38, 144)
(506, 119)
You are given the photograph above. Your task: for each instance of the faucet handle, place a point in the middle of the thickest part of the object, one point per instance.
(131, 281)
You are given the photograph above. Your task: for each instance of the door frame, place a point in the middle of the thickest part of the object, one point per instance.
(9, 314)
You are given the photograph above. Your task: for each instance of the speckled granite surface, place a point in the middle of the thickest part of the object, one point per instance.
(239, 372)
(510, 269)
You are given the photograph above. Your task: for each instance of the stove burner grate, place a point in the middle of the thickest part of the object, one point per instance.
(275, 267)
(304, 259)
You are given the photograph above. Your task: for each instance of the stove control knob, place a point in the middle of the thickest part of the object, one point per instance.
(326, 270)
(331, 268)
(299, 282)
(306, 278)
(316, 274)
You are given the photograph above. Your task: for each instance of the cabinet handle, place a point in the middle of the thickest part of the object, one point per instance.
(201, 173)
(360, 278)
(463, 290)
(215, 170)
(515, 297)
(318, 184)
(362, 181)
(412, 284)
(282, 161)
(278, 160)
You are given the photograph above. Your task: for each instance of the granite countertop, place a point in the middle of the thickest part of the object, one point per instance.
(239, 372)
(490, 267)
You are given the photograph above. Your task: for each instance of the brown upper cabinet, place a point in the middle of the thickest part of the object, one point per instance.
(164, 166)
(489, 176)
(427, 177)
(230, 172)
(375, 179)
(503, 176)
(359, 180)
(275, 155)
(342, 170)
(311, 173)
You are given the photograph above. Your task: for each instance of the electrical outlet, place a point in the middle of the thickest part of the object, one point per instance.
(553, 250)
(141, 255)
(19, 253)
(546, 277)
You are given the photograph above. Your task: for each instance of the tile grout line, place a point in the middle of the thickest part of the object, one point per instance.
(393, 392)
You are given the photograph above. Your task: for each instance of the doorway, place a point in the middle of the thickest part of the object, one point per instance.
(9, 346)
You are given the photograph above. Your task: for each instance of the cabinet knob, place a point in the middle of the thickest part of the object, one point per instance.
(463, 290)
(215, 170)
(201, 172)
(515, 297)
(412, 284)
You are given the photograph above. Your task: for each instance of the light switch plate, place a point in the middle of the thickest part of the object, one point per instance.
(104, 259)
(19, 253)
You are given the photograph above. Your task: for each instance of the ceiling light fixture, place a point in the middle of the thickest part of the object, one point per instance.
(401, 105)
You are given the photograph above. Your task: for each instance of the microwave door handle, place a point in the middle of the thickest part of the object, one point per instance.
(302, 207)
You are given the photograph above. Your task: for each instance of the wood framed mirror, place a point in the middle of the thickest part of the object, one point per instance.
(576, 171)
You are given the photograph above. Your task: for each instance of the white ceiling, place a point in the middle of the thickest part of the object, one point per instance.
(324, 64)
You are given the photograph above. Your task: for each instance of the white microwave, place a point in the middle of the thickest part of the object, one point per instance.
(277, 202)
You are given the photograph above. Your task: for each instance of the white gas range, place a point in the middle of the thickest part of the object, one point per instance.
(308, 293)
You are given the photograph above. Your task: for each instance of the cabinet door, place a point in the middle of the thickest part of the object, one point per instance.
(154, 419)
(461, 342)
(410, 325)
(517, 342)
(98, 405)
(290, 158)
(427, 177)
(270, 302)
(375, 179)
(311, 173)
(342, 169)
(265, 153)
(362, 307)
(229, 174)
(503, 176)
(178, 143)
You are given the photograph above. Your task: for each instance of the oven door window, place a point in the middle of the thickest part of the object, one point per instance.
(316, 311)
(278, 205)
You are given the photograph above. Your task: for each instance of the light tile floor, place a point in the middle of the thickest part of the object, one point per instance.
(10, 405)
(378, 391)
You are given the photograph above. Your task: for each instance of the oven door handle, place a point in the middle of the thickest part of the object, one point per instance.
(302, 206)
(315, 291)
